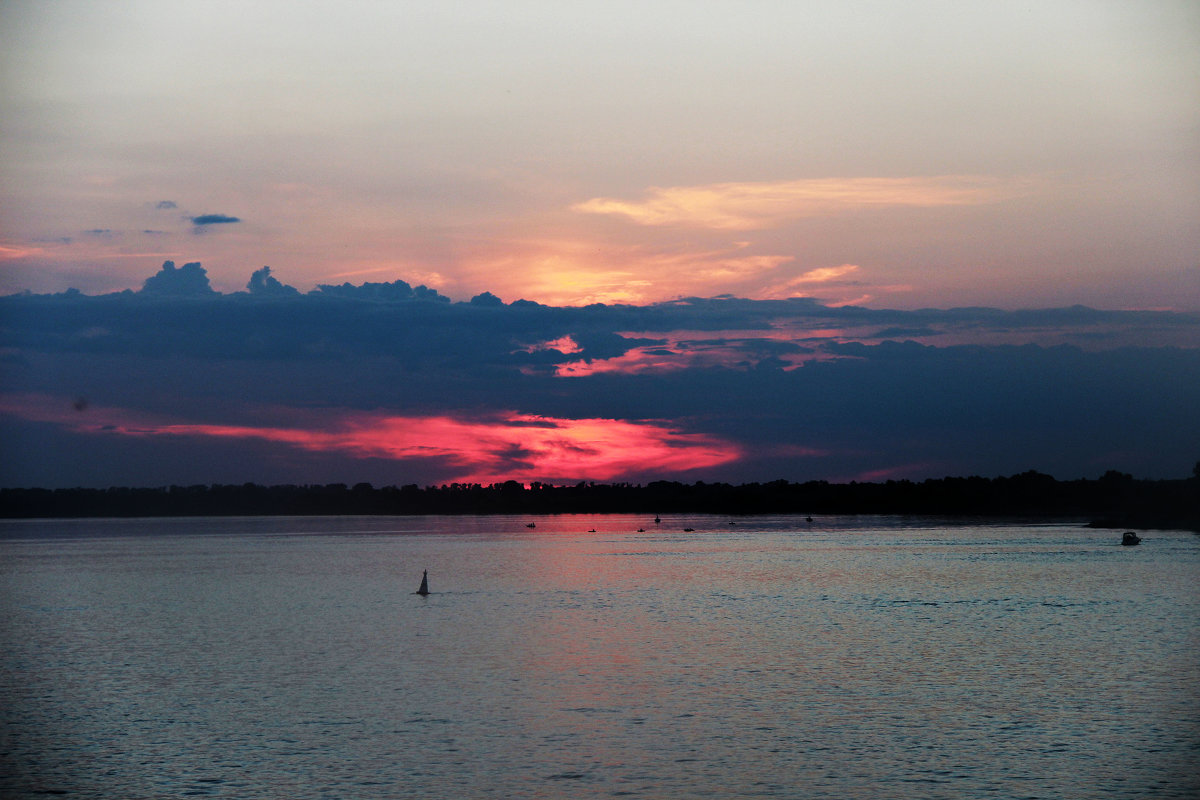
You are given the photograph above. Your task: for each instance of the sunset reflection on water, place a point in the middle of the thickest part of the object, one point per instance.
(753, 656)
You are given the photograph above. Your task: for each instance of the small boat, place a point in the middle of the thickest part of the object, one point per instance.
(531, 525)
(657, 519)
(424, 590)
(1130, 538)
(688, 530)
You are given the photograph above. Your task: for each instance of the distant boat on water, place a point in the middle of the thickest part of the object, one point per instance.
(1130, 538)
(424, 590)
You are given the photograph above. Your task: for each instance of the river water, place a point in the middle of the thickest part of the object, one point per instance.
(851, 657)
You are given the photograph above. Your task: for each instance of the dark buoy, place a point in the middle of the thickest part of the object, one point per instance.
(657, 519)
(424, 590)
(1130, 538)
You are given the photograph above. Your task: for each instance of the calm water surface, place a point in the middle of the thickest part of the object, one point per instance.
(861, 657)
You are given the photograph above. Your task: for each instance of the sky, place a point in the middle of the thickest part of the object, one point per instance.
(900, 155)
(736, 241)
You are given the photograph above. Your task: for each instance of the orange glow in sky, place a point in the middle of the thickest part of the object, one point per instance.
(1005, 155)
(755, 205)
(578, 270)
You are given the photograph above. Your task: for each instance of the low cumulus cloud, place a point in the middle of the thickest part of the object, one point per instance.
(397, 291)
(190, 280)
(756, 205)
(264, 284)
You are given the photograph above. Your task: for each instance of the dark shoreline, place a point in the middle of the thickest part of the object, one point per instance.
(1114, 500)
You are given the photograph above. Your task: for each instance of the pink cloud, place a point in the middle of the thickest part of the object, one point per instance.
(563, 344)
(688, 349)
(660, 359)
(9, 252)
(479, 449)
(638, 360)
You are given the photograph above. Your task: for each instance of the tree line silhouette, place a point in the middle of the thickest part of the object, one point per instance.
(1114, 500)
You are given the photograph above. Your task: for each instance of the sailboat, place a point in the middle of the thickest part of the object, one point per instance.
(424, 590)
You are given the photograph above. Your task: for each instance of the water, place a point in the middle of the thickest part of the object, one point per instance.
(859, 657)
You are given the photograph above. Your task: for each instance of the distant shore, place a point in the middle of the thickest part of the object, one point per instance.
(1115, 500)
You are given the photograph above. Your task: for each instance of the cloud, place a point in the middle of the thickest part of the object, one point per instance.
(8, 252)
(486, 448)
(189, 280)
(263, 284)
(823, 274)
(486, 299)
(213, 219)
(164, 205)
(563, 344)
(394, 291)
(368, 383)
(552, 450)
(757, 205)
(581, 272)
(683, 350)
(809, 283)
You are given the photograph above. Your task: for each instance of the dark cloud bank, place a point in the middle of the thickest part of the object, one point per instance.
(804, 390)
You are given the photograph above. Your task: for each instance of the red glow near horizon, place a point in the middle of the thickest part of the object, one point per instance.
(488, 449)
(899, 471)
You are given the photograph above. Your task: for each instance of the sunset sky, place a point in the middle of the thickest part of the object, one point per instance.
(837, 240)
(901, 155)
